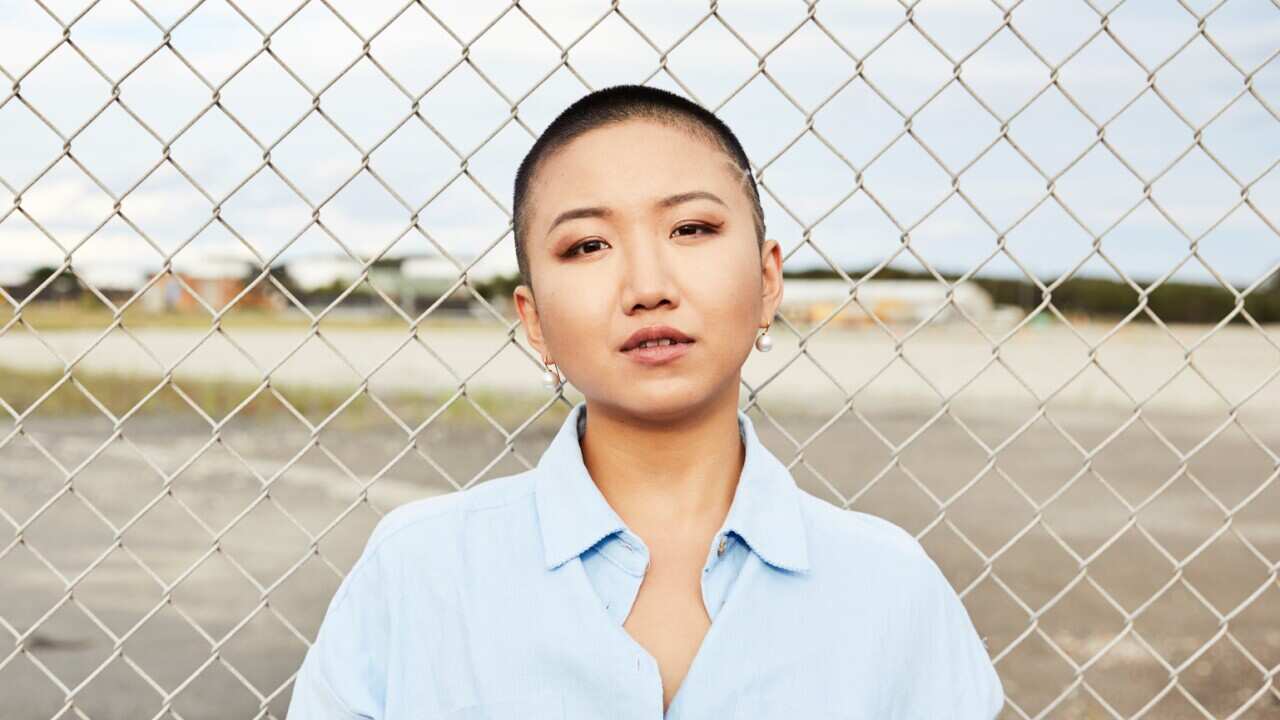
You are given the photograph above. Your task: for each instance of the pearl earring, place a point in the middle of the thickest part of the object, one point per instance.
(549, 379)
(764, 343)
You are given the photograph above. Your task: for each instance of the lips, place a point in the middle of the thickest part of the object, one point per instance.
(655, 355)
(654, 332)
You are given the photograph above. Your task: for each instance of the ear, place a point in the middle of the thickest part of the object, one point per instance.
(527, 309)
(770, 280)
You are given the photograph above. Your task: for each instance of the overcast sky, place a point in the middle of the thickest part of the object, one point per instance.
(805, 184)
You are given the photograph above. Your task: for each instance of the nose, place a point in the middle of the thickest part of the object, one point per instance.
(647, 277)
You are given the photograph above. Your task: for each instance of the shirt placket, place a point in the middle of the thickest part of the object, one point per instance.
(616, 569)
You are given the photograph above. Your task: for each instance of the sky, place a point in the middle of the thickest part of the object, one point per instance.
(490, 109)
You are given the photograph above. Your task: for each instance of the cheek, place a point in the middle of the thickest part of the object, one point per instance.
(727, 284)
(572, 321)
(575, 321)
(726, 298)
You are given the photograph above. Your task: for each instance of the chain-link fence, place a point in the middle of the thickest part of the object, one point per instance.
(180, 500)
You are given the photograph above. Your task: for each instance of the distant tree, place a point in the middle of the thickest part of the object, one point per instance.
(64, 286)
(40, 274)
(1272, 283)
(282, 276)
(1100, 297)
(1264, 303)
(498, 286)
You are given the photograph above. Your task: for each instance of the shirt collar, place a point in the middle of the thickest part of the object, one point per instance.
(573, 514)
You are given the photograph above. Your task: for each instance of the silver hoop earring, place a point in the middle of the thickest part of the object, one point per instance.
(764, 343)
(550, 379)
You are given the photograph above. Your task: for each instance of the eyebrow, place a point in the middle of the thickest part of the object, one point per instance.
(666, 202)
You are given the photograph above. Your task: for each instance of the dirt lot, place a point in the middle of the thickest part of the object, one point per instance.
(1043, 487)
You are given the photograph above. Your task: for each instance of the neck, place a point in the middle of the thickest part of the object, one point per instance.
(670, 479)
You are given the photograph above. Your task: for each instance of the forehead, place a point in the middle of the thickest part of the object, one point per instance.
(628, 165)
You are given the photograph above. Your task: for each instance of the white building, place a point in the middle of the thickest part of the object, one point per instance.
(318, 271)
(411, 281)
(905, 301)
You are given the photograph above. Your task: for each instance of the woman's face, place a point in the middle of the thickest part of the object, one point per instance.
(639, 224)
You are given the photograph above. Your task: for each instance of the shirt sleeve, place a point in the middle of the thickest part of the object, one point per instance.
(948, 672)
(343, 675)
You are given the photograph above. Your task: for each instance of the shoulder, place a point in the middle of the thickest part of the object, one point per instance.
(848, 546)
(845, 532)
(939, 664)
(422, 512)
(402, 574)
(431, 526)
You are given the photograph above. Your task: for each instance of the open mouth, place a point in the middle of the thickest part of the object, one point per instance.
(664, 342)
(656, 344)
(659, 352)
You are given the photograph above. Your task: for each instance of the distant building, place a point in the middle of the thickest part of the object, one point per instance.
(412, 282)
(809, 301)
(217, 279)
(317, 272)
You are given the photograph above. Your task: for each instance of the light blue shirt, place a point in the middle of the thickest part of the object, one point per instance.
(506, 601)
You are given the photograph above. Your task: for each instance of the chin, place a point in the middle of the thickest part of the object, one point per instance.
(665, 400)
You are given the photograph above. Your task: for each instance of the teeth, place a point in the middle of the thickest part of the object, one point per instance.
(654, 343)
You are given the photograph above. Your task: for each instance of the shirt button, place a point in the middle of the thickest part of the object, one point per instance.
(723, 540)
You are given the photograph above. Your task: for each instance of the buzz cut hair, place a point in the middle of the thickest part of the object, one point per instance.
(616, 104)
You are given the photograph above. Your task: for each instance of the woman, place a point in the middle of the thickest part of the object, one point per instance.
(659, 561)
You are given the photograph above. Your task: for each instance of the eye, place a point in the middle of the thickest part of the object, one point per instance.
(572, 251)
(696, 226)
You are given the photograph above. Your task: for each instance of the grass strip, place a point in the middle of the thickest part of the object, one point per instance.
(121, 392)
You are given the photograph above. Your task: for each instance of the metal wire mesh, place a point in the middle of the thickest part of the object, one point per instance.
(1260, 690)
